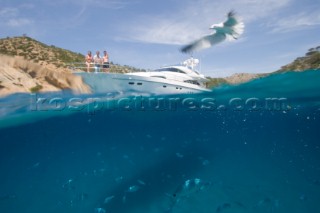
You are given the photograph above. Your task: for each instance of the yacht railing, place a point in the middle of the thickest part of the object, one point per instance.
(81, 66)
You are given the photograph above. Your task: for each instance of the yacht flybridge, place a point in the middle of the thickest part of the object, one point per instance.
(176, 79)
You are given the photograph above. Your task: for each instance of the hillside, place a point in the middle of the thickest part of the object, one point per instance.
(28, 65)
(52, 56)
(239, 78)
(311, 60)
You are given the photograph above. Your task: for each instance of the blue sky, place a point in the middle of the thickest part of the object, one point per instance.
(148, 33)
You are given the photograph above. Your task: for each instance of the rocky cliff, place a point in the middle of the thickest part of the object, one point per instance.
(20, 75)
(27, 65)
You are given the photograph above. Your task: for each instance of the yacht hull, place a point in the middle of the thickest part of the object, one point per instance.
(124, 83)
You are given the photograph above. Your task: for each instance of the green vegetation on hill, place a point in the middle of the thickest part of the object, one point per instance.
(36, 88)
(38, 52)
(43, 54)
(214, 82)
(311, 60)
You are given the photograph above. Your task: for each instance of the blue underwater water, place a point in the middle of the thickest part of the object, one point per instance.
(254, 147)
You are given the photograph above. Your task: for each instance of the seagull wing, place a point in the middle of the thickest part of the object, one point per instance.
(204, 42)
(233, 25)
(231, 21)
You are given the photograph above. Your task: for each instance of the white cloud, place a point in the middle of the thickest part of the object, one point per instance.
(253, 10)
(19, 22)
(27, 6)
(194, 18)
(80, 8)
(107, 4)
(8, 12)
(296, 22)
(165, 32)
(10, 17)
(111, 4)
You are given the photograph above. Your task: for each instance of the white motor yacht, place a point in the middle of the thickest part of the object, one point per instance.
(176, 79)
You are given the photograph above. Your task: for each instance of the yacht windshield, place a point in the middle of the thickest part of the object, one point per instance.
(170, 69)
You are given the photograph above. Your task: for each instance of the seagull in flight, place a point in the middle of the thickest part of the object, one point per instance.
(230, 30)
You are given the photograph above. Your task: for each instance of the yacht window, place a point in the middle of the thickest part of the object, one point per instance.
(192, 82)
(170, 69)
(158, 76)
(139, 83)
(131, 83)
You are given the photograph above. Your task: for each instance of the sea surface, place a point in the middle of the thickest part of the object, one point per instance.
(249, 148)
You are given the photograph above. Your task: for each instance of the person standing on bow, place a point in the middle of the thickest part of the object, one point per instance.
(97, 61)
(105, 60)
(89, 60)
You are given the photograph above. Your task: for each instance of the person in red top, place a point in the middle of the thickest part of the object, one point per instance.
(89, 60)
